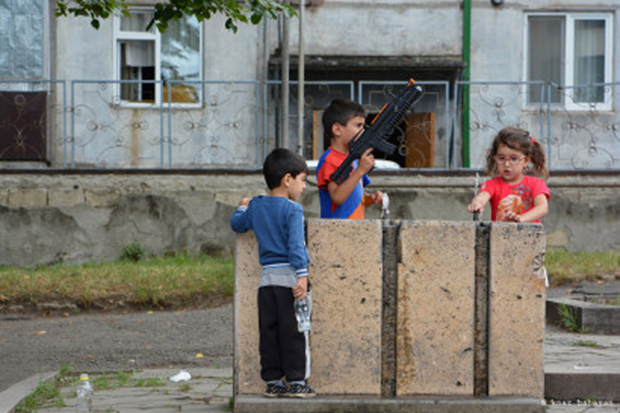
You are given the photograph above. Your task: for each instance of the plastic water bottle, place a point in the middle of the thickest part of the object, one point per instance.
(84, 395)
(302, 314)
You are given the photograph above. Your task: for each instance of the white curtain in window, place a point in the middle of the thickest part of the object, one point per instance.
(589, 61)
(140, 53)
(546, 53)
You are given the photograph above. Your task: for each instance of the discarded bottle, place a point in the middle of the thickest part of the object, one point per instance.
(302, 314)
(84, 395)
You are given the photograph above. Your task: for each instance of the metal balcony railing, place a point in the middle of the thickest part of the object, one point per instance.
(104, 124)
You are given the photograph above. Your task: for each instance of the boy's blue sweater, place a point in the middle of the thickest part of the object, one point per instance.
(278, 224)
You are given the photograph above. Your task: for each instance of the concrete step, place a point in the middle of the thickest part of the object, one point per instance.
(352, 404)
(604, 387)
(581, 366)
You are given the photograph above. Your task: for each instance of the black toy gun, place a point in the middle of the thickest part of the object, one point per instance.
(375, 135)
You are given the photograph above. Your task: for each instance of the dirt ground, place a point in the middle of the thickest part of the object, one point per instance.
(31, 344)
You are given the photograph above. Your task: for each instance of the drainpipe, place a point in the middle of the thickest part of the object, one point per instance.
(284, 50)
(264, 82)
(301, 77)
(466, 78)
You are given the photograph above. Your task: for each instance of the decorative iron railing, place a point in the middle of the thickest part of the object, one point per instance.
(584, 128)
(234, 124)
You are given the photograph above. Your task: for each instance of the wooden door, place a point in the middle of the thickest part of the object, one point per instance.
(420, 140)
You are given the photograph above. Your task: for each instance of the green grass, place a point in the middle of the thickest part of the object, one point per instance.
(564, 267)
(185, 387)
(586, 343)
(123, 379)
(185, 281)
(49, 394)
(156, 282)
(568, 319)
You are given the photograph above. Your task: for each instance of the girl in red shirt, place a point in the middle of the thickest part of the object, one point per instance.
(514, 196)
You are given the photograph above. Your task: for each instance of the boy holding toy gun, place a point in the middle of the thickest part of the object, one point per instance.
(342, 170)
(342, 121)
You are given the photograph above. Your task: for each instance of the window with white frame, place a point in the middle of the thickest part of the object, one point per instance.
(573, 51)
(145, 56)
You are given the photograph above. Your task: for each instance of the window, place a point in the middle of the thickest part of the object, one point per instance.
(23, 40)
(143, 56)
(573, 51)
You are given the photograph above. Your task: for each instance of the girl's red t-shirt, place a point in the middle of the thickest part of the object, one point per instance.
(520, 195)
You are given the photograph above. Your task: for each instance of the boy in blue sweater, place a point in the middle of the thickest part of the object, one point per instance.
(278, 223)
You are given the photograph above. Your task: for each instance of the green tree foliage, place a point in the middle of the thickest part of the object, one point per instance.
(244, 11)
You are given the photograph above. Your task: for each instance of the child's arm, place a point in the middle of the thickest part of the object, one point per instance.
(340, 193)
(301, 288)
(238, 219)
(541, 207)
(479, 201)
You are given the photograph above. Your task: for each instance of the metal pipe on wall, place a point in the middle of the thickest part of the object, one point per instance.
(301, 76)
(466, 79)
(284, 50)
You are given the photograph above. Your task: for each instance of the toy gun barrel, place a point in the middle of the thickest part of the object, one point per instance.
(380, 129)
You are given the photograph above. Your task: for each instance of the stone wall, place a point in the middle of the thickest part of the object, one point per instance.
(437, 347)
(53, 216)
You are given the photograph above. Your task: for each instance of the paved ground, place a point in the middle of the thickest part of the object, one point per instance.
(210, 387)
(208, 391)
(163, 343)
(113, 342)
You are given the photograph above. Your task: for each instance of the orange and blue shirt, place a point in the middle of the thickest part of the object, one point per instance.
(353, 206)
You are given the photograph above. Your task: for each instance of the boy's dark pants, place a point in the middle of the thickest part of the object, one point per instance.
(284, 351)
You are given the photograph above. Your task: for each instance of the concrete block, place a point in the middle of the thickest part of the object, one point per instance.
(247, 378)
(435, 321)
(65, 197)
(4, 197)
(232, 197)
(517, 310)
(436, 308)
(346, 276)
(591, 317)
(353, 404)
(345, 342)
(557, 239)
(102, 197)
(28, 198)
(602, 388)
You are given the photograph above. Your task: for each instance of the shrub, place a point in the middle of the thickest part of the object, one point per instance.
(133, 252)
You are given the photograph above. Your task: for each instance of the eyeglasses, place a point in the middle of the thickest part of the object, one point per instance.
(513, 160)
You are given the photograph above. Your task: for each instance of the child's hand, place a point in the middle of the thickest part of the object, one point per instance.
(367, 161)
(245, 201)
(479, 201)
(510, 216)
(376, 198)
(301, 288)
(476, 206)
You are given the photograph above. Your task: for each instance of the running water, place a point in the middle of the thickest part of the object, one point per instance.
(476, 186)
(385, 206)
